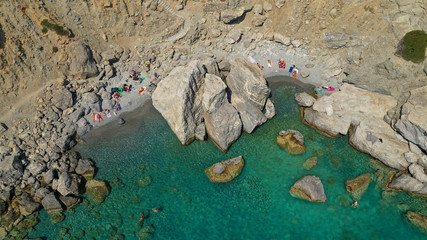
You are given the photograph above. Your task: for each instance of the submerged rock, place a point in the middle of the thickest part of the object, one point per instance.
(358, 186)
(309, 188)
(144, 182)
(292, 141)
(418, 220)
(309, 163)
(51, 203)
(226, 170)
(97, 190)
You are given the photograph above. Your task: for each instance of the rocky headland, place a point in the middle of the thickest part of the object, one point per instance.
(56, 74)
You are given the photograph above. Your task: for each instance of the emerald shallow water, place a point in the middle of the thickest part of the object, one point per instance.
(256, 205)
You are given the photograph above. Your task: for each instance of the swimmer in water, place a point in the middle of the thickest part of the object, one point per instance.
(355, 204)
(155, 210)
(142, 218)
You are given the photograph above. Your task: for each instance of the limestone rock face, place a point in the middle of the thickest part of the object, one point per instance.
(97, 190)
(82, 63)
(417, 171)
(270, 110)
(214, 94)
(391, 151)
(403, 181)
(309, 188)
(68, 183)
(358, 186)
(62, 98)
(223, 126)
(292, 141)
(412, 123)
(246, 81)
(418, 220)
(304, 99)
(250, 115)
(51, 203)
(335, 113)
(178, 98)
(226, 170)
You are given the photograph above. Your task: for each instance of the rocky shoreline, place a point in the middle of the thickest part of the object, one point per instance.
(38, 169)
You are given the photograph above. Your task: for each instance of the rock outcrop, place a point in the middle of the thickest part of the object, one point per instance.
(335, 113)
(178, 98)
(358, 186)
(226, 170)
(412, 123)
(68, 184)
(51, 204)
(82, 63)
(292, 141)
(309, 188)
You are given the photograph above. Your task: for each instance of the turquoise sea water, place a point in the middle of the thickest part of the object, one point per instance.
(256, 205)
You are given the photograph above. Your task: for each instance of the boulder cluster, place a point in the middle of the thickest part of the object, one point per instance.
(196, 101)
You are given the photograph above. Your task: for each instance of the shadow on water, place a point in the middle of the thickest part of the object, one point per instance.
(2, 37)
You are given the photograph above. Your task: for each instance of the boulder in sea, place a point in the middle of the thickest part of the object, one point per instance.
(270, 110)
(404, 181)
(418, 220)
(358, 186)
(68, 184)
(57, 217)
(222, 121)
(86, 168)
(309, 163)
(292, 141)
(51, 203)
(97, 190)
(69, 201)
(309, 188)
(121, 121)
(178, 97)
(226, 170)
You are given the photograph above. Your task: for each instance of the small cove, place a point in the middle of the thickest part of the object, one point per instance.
(256, 205)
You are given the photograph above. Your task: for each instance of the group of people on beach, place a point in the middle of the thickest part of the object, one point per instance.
(117, 92)
(293, 71)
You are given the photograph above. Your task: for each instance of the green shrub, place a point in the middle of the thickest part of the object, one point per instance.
(412, 47)
(60, 30)
(46, 23)
(55, 49)
(55, 27)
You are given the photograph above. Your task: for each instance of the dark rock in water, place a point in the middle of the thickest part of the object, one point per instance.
(97, 190)
(51, 203)
(121, 121)
(144, 181)
(358, 186)
(57, 218)
(309, 188)
(69, 201)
